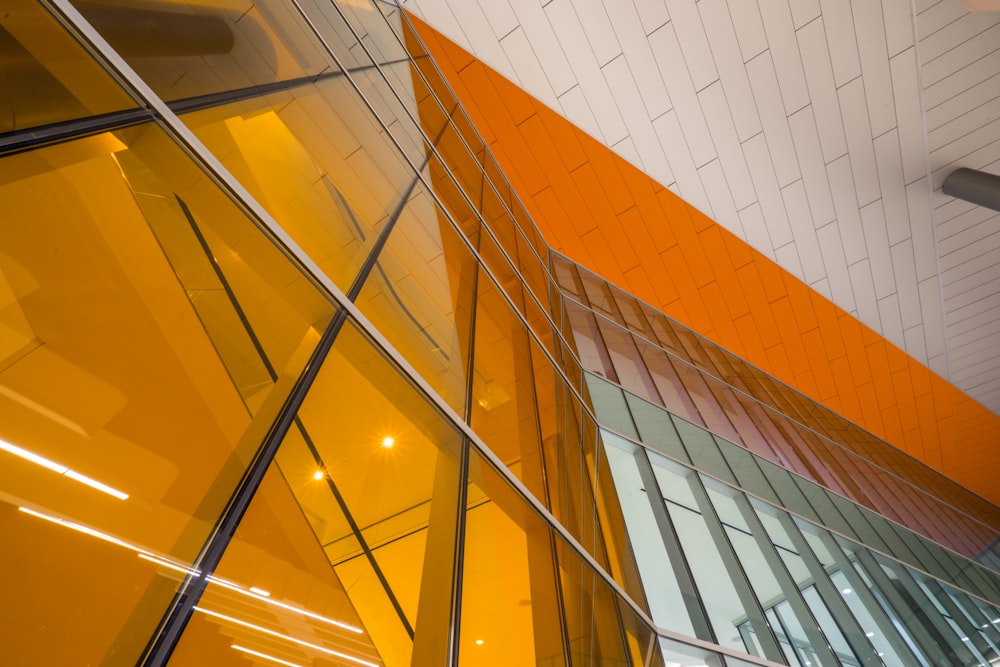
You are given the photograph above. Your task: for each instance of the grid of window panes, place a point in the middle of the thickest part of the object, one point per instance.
(278, 377)
(656, 358)
(798, 587)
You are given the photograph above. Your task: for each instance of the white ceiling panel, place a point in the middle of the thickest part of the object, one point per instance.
(813, 129)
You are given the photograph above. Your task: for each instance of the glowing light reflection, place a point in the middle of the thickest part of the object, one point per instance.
(300, 642)
(60, 469)
(254, 592)
(263, 596)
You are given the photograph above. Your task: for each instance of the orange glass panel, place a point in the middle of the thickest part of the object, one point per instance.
(149, 333)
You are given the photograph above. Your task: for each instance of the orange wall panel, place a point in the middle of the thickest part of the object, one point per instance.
(602, 212)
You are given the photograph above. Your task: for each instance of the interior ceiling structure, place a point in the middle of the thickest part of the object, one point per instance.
(818, 131)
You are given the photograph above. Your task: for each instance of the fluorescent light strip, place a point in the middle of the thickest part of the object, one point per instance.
(300, 642)
(264, 598)
(94, 484)
(61, 469)
(265, 656)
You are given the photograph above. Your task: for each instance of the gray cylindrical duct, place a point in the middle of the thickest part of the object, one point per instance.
(973, 186)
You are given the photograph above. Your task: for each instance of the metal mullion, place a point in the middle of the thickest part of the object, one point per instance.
(44, 135)
(172, 625)
(446, 213)
(547, 499)
(937, 622)
(841, 613)
(884, 553)
(472, 126)
(448, 116)
(444, 164)
(860, 588)
(458, 571)
(741, 582)
(920, 633)
(690, 596)
(959, 616)
(458, 564)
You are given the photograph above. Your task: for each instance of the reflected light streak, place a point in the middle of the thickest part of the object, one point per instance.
(300, 642)
(169, 564)
(263, 596)
(93, 532)
(265, 656)
(256, 593)
(80, 528)
(61, 469)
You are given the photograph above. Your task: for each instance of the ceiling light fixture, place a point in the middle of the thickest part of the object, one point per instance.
(61, 469)
(294, 640)
(319, 474)
(388, 441)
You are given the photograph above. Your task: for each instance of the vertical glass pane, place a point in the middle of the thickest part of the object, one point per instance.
(717, 589)
(505, 404)
(664, 593)
(510, 599)
(704, 451)
(593, 625)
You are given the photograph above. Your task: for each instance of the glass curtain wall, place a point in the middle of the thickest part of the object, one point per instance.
(284, 381)
(662, 361)
(279, 378)
(812, 582)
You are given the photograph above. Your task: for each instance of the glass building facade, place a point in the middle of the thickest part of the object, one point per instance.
(288, 376)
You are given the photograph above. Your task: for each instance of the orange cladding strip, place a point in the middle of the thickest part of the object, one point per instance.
(607, 215)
